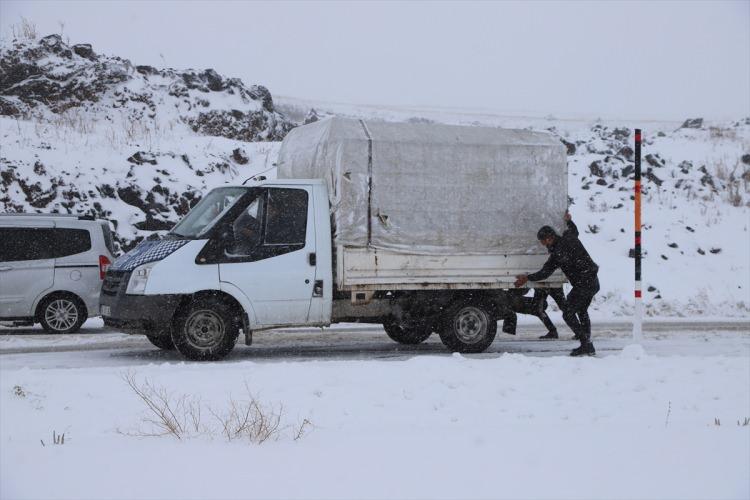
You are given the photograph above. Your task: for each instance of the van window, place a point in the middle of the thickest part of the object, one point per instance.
(286, 217)
(108, 239)
(30, 243)
(26, 243)
(70, 242)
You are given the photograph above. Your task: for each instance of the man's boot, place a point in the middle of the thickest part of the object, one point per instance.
(551, 335)
(585, 349)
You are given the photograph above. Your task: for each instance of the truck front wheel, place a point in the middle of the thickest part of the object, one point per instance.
(205, 330)
(468, 327)
(409, 334)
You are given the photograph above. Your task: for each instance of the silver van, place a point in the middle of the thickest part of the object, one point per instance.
(51, 269)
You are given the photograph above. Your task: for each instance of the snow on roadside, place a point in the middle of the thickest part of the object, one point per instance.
(630, 425)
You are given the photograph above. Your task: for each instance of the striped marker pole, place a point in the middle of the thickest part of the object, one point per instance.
(638, 319)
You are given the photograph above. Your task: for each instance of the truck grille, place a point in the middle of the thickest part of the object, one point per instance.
(113, 281)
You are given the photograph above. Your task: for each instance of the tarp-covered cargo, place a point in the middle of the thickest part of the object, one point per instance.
(432, 189)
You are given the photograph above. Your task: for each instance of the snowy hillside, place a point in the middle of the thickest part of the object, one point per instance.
(87, 133)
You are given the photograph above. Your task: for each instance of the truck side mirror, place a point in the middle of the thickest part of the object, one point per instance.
(226, 235)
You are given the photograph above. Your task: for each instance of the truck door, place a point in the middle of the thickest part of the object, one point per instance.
(27, 267)
(269, 258)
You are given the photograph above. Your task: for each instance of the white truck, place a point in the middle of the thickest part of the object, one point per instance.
(418, 227)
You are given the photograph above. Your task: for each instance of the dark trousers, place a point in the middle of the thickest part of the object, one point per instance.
(575, 311)
(535, 307)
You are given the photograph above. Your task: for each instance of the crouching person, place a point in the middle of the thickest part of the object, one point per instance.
(536, 306)
(568, 254)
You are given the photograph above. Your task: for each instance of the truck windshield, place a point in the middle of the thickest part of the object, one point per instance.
(207, 212)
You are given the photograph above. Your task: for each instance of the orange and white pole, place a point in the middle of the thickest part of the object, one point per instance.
(638, 316)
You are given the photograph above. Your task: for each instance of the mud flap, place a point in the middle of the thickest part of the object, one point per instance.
(246, 329)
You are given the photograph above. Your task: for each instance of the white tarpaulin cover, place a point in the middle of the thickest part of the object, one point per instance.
(432, 189)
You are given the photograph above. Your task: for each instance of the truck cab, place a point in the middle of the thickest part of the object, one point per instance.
(420, 228)
(244, 258)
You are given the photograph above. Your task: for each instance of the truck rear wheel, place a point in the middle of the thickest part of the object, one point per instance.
(468, 327)
(409, 334)
(161, 341)
(205, 330)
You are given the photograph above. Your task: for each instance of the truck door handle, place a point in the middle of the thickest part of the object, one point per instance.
(5, 268)
(312, 258)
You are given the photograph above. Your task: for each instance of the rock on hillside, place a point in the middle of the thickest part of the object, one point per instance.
(39, 78)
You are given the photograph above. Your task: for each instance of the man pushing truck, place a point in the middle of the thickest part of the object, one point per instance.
(568, 254)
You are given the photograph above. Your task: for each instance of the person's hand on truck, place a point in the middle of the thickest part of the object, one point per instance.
(521, 280)
(567, 216)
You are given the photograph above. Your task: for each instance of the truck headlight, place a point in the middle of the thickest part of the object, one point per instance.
(139, 279)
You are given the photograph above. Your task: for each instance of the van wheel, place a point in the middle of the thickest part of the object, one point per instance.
(468, 327)
(162, 341)
(409, 334)
(62, 314)
(205, 330)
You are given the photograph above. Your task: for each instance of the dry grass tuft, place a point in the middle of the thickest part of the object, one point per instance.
(181, 416)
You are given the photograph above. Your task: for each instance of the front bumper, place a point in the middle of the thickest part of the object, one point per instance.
(139, 314)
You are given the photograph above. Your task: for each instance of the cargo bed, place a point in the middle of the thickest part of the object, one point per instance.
(373, 269)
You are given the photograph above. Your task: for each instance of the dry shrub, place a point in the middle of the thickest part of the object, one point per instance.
(722, 133)
(249, 419)
(24, 30)
(178, 416)
(181, 416)
(57, 439)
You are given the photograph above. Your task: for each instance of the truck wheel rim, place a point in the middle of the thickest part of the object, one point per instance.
(470, 325)
(204, 329)
(61, 314)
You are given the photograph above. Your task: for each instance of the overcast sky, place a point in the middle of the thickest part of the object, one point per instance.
(664, 60)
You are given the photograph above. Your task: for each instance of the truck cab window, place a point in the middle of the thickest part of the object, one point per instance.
(286, 217)
(272, 224)
(208, 212)
(246, 228)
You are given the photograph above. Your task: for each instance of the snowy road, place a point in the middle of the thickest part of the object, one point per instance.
(667, 419)
(363, 342)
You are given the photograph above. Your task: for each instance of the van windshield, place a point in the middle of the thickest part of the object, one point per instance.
(208, 212)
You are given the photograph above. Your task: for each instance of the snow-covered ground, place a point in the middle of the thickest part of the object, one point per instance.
(660, 420)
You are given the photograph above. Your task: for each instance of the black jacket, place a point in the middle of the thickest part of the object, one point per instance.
(568, 254)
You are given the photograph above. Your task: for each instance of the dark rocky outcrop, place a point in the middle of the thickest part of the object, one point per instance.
(141, 157)
(569, 147)
(84, 50)
(692, 123)
(311, 117)
(251, 127)
(240, 157)
(596, 169)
